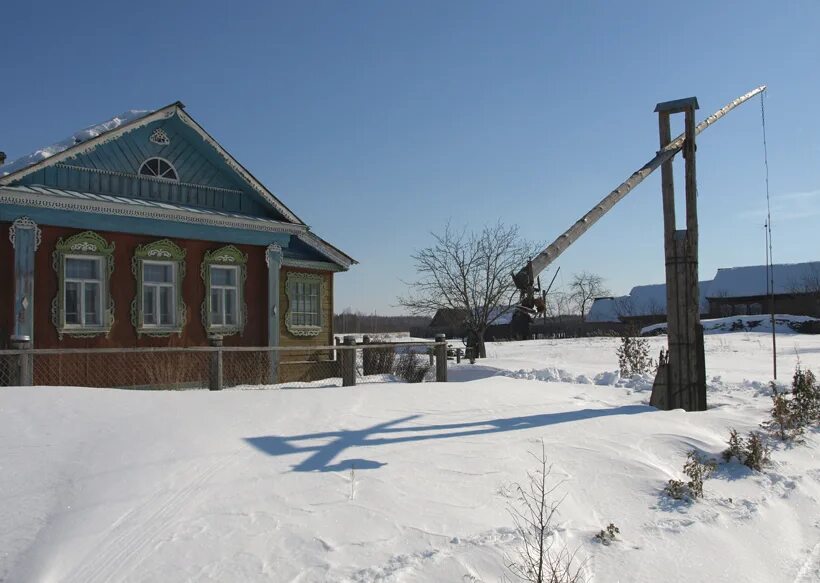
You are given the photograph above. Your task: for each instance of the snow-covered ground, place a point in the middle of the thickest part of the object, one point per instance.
(395, 482)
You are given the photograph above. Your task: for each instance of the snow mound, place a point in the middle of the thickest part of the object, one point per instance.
(76, 138)
(784, 324)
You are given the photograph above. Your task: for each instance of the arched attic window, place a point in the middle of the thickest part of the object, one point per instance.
(159, 168)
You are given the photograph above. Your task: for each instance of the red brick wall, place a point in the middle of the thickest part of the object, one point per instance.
(7, 286)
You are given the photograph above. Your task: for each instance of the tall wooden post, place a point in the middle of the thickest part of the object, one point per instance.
(681, 381)
(348, 362)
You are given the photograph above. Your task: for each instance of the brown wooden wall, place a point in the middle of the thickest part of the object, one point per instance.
(325, 338)
(123, 290)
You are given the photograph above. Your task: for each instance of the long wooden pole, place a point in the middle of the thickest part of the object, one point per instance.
(525, 278)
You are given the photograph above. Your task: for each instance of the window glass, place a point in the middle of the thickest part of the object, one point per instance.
(223, 275)
(158, 272)
(72, 303)
(305, 304)
(159, 168)
(77, 268)
(158, 293)
(224, 296)
(82, 299)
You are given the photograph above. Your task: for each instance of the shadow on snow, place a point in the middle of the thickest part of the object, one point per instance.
(335, 443)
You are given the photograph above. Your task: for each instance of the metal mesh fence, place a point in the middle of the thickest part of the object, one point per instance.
(412, 363)
(166, 369)
(212, 367)
(9, 370)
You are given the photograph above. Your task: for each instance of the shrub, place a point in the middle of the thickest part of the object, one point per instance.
(411, 368)
(381, 360)
(752, 452)
(757, 453)
(735, 449)
(792, 413)
(608, 536)
(633, 356)
(697, 469)
(806, 395)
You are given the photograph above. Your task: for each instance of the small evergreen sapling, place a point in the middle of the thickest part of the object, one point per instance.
(792, 413)
(752, 452)
(697, 469)
(609, 535)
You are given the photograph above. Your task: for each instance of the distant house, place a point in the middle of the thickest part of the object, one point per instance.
(645, 305)
(733, 291)
(143, 232)
(452, 322)
(740, 291)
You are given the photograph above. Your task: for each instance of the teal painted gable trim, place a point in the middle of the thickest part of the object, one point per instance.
(140, 226)
(205, 180)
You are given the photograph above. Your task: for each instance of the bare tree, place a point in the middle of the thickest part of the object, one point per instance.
(584, 288)
(540, 560)
(469, 272)
(558, 304)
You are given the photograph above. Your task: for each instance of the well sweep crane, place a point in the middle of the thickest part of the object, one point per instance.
(530, 303)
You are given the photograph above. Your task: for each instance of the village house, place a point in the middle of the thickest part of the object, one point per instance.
(144, 231)
(735, 291)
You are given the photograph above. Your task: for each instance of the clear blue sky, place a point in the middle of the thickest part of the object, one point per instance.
(378, 121)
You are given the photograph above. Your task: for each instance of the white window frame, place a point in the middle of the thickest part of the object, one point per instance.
(81, 296)
(152, 176)
(157, 286)
(298, 304)
(236, 305)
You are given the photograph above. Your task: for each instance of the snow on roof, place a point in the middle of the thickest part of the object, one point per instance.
(605, 309)
(643, 300)
(751, 280)
(75, 138)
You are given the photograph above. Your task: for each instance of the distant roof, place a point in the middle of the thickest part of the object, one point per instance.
(643, 300)
(605, 309)
(78, 137)
(751, 280)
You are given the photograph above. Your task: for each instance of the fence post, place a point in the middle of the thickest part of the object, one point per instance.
(441, 358)
(25, 368)
(367, 357)
(215, 378)
(349, 362)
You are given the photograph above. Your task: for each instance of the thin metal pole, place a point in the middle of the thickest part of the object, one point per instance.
(770, 263)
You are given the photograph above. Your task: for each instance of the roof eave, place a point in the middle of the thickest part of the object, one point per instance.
(70, 152)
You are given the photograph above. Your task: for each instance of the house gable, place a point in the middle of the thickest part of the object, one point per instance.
(109, 164)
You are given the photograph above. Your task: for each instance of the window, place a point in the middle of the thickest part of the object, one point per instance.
(224, 272)
(305, 292)
(305, 310)
(224, 296)
(83, 306)
(158, 291)
(83, 291)
(756, 309)
(158, 309)
(158, 168)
